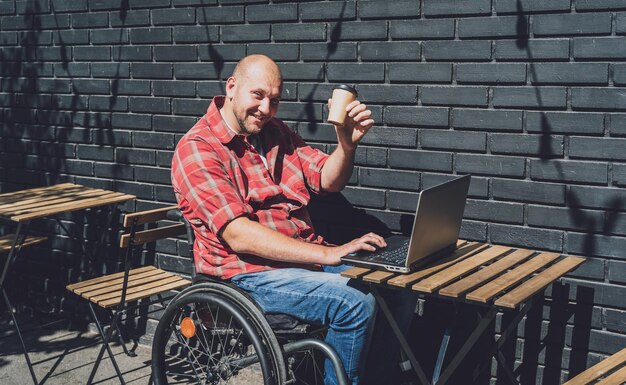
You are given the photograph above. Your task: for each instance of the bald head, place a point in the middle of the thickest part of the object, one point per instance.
(255, 65)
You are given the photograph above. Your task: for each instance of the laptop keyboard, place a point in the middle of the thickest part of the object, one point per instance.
(391, 257)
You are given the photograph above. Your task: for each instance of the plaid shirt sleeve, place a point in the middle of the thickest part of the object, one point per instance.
(207, 186)
(312, 161)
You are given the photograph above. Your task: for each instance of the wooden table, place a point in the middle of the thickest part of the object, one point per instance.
(492, 277)
(22, 207)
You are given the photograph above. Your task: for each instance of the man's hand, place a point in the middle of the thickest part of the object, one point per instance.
(356, 125)
(368, 242)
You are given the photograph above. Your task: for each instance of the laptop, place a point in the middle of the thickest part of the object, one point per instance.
(436, 229)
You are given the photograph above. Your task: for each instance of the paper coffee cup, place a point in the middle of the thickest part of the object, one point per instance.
(342, 96)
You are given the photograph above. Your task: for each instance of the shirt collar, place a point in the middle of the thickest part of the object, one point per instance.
(216, 122)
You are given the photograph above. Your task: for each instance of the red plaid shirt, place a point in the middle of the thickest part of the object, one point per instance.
(218, 176)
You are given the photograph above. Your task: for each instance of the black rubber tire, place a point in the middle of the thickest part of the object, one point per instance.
(225, 312)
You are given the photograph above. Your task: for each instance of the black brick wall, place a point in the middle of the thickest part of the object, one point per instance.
(524, 94)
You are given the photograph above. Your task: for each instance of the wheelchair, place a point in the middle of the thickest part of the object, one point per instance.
(214, 333)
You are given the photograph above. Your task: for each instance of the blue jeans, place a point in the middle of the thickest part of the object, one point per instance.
(347, 308)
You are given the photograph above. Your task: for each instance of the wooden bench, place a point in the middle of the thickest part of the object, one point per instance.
(6, 242)
(614, 366)
(116, 291)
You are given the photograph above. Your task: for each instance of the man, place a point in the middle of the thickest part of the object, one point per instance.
(243, 180)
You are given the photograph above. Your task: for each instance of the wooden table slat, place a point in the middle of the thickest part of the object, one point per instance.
(599, 369)
(355, 272)
(616, 378)
(79, 205)
(539, 282)
(505, 281)
(39, 204)
(37, 191)
(6, 242)
(378, 276)
(488, 273)
(465, 251)
(455, 271)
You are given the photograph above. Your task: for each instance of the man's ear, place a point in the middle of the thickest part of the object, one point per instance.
(230, 87)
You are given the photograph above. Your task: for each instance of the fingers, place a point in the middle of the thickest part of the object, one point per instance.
(360, 114)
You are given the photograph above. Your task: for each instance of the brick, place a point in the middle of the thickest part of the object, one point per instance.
(209, 89)
(525, 191)
(132, 121)
(32, 7)
(92, 53)
(616, 223)
(173, 16)
(357, 30)
(7, 8)
(95, 153)
(325, 11)
(565, 218)
(619, 74)
(597, 197)
(492, 211)
(105, 5)
(8, 38)
(617, 271)
(468, 50)
(108, 103)
(88, 86)
(474, 231)
(133, 87)
(92, 119)
(316, 133)
(454, 96)
(151, 70)
(365, 197)
(323, 52)
(416, 116)
(300, 111)
(246, 33)
(570, 73)
(525, 6)
(362, 72)
(90, 20)
(297, 32)
(420, 72)
(137, 53)
(599, 48)
(420, 160)
(150, 105)
(175, 53)
(532, 50)
(497, 27)
(164, 158)
(174, 88)
(585, 5)
(385, 10)
(110, 70)
(404, 180)
(422, 29)
(597, 245)
(543, 146)
(400, 200)
(149, 3)
(137, 18)
(599, 98)
(113, 171)
(453, 140)
(565, 122)
(456, 7)
(490, 165)
(526, 237)
(571, 171)
(481, 119)
(69, 5)
(109, 36)
(371, 156)
(69, 70)
(501, 73)
(153, 175)
(160, 35)
(180, 124)
(620, 21)
(616, 320)
(391, 136)
(221, 15)
(572, 24)
(159, 141)
(387, 94)
(389, 51)
(530, 97)
(302, 71)
(619, 174)
(218, 54)
(597, 148)
(52, 53)
(135, 156)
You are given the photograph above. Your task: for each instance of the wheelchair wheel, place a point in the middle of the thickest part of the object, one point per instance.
(212, 334)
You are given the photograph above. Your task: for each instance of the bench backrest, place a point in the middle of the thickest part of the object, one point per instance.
(136, 238)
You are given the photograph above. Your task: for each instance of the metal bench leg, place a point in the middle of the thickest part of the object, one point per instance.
(442, 354)
(121, 336)
(19, 334)
(105, 346)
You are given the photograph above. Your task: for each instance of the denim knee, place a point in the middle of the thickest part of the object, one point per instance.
(356, 310)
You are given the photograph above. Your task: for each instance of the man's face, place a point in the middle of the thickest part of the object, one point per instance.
(255, 99)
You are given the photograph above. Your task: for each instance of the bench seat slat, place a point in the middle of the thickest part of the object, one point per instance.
(181, 282)
(6, 242)
(106, 278)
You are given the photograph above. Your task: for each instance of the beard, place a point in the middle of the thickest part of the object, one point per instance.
(248, 123)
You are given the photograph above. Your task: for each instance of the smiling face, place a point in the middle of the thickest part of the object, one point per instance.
(252, 95)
